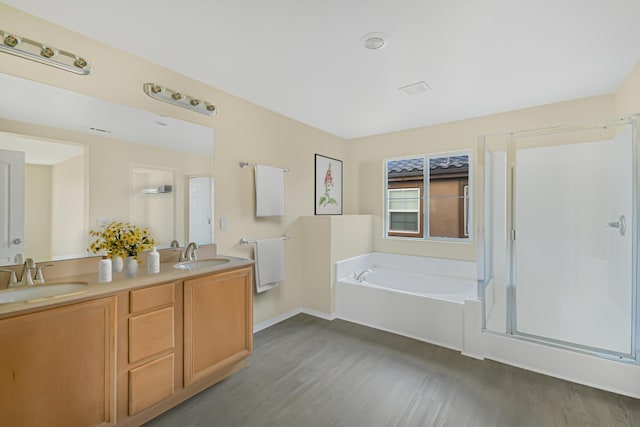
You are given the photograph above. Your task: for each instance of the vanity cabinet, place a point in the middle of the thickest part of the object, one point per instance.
(57, 366)
(176, 339)
(218, 322)
(124, 358)
(151, 344)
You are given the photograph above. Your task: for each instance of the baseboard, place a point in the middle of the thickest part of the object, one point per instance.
(473, 355)
(392, 331)
(284, 316)
(319, 314)
(589, 370)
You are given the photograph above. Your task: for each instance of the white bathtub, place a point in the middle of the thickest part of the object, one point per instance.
(429, 299)
(423, 285)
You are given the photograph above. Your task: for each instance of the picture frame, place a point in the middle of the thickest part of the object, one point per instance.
(328, 186)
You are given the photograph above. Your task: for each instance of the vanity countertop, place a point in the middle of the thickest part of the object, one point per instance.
(93, 289)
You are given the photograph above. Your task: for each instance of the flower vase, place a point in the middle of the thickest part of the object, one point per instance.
(116, 264)
(130, 267)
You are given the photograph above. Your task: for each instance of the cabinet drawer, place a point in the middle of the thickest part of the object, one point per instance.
(150, 298)
(150, 383)
(150, 334)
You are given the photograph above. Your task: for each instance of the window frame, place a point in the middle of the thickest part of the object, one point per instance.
(424, 234)
(419, 211)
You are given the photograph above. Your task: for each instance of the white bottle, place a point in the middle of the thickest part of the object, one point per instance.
(153, 261)
(104, 270)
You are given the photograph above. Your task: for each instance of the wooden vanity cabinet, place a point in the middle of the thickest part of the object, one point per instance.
(218, 322)
(169, 341)
(148, 347)
(57, 366)
(177, 339)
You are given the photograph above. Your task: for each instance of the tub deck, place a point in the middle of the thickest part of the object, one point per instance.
(402, 296)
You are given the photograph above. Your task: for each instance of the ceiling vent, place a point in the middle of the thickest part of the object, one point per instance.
(416, 88)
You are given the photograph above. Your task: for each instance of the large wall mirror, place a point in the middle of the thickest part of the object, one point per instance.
(428, 197)
(70, 163)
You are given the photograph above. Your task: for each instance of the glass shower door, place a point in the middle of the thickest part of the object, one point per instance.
(573, 231)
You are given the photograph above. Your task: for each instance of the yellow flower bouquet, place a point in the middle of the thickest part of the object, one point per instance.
(121, 239)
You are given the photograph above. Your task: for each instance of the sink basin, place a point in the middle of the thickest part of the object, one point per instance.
(201, 263)
(40, 292)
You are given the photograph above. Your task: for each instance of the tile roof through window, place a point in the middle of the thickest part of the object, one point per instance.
(413, 165)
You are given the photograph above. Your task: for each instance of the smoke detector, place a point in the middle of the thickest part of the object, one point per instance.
(374, 41)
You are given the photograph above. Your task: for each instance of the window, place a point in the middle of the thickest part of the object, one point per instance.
(437, 196)
(404, 211)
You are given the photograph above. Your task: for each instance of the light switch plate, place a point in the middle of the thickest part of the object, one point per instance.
(103, 221)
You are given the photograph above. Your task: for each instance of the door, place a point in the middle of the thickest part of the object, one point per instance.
(57, 366)
(200, 210)
(573, 238)
(12, 173)
(218, 322)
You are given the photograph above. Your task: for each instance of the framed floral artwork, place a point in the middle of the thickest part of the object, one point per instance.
(328, 190)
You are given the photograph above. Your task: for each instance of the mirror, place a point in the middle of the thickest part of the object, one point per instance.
(447, 196)
(89, 161)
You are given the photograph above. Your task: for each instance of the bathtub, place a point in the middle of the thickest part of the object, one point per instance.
(429, 299)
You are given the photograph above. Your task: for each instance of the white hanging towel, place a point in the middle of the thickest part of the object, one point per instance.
(269, 264)
(269, 191)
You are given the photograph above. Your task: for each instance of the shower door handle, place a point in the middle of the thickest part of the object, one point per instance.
(620, 224)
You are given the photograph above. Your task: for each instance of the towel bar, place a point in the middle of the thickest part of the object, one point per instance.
(244, 241)
(245, 164)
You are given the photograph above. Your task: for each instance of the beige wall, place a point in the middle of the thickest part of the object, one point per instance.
(109, 162)
(628, 96)
(37, 206)
(246, 132)
(243, 131)
(351, 235)
(111, 193)
(155, 211)
(365, 177)
(316, 287)
(330, 239)
(68, 237)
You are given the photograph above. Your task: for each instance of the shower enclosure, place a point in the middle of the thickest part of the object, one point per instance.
(558, 238)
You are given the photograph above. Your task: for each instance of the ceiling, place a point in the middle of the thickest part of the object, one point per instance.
(304, 59)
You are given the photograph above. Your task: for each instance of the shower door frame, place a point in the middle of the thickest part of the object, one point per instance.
(511, 233)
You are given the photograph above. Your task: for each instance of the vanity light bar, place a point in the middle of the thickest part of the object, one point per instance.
(39, 52)
(180, 99)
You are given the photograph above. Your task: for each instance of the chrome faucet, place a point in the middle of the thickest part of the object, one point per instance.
(13, 280)
(189, 253)
(39, 278)
(174, 244)
(363, 275)
(25, 279)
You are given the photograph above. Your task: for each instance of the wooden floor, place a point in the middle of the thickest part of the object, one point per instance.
(311, 372)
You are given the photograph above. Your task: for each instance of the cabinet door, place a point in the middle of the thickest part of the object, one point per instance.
(150, 383)
(218, 322)
(57, 366)
(150, 334)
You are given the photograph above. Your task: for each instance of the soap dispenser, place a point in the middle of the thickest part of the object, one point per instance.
(104, 270)
(153, 261)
